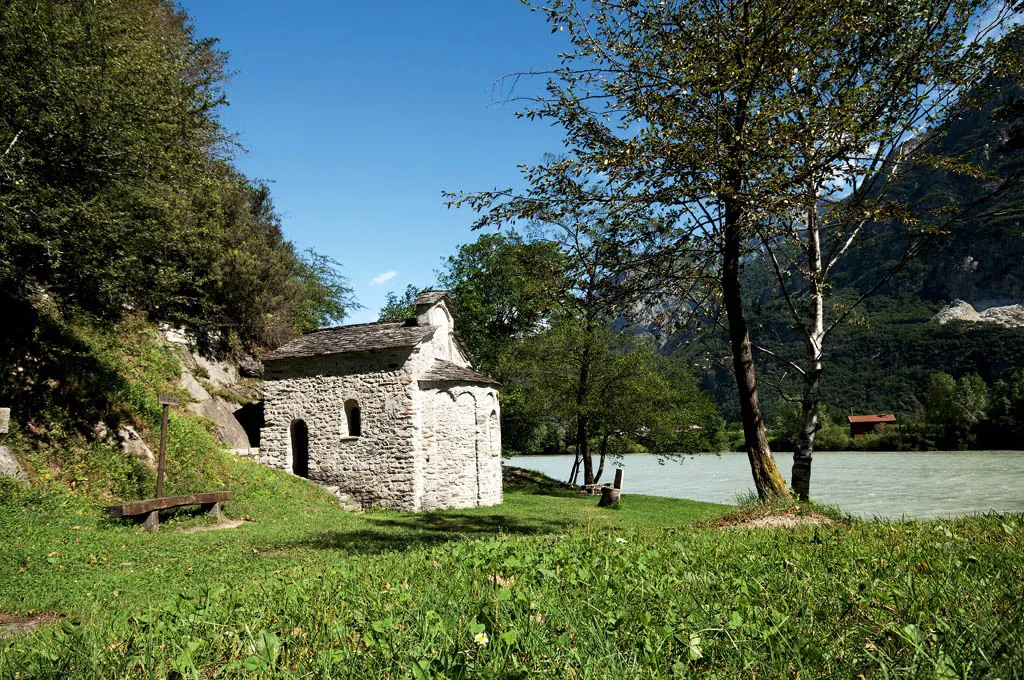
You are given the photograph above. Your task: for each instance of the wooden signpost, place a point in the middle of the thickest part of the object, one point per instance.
(153, 521)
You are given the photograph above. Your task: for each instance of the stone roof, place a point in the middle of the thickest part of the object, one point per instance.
(431, 297)
(446, 371)
(356, 338)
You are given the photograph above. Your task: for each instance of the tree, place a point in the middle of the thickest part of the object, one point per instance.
(601, 385)
(697, 115)
(108, 123)
(502, 288)
(1006, 403)
(118, 196)
(116, 184)
(399, 308)
(956, 406)
(917, 75)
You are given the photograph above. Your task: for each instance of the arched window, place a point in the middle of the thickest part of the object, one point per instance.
(353, 418)
(494, 434)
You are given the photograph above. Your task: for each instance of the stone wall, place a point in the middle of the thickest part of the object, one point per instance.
(378, 467)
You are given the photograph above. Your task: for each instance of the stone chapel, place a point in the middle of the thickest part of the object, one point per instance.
(390, 412)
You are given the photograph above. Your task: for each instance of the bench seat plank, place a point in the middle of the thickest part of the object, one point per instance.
(151, 504)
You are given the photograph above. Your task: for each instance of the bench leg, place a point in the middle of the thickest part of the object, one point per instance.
(213, 509)
(152, 522)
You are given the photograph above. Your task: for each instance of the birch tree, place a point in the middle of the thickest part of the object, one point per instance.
(867, 116)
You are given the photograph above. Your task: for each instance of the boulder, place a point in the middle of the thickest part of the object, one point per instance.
(129, 441)
(177, 336)
(219, 373)
(10, 466)
(132, 444)
(221, 412)
(192, 386)
(249, 367)
(1010, 316)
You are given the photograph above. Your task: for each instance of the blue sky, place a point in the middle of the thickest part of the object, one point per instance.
(360, 114)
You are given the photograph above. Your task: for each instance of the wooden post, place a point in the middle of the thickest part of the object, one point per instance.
(152, 522)
(618, 478)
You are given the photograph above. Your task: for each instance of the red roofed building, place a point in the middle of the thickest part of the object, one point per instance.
(862, 425)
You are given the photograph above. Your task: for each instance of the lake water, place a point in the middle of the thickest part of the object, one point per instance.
(883, 484)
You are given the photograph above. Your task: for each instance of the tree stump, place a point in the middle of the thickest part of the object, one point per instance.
(609, 496)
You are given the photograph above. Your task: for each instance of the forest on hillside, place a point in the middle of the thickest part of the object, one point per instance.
(119, 198)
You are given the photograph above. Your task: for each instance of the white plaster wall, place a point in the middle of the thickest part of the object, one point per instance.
(462, 457)
(377, 467)
(489, 427)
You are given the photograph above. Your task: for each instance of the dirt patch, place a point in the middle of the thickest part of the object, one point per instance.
(233, 524)
(12, 625)
(767, 518)
(777, 521)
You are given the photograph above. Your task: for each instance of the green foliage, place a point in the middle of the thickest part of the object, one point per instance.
(112, 376)
(631, 390)
(502, 288)
(400, 308)
(833, 433)
(1006, 402)
(956, 405)
(116, 188)
(832, 437)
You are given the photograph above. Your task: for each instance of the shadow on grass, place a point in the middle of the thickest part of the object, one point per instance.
(423, 531)
(535, 483)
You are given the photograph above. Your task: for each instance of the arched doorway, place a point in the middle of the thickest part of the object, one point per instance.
(300, 448)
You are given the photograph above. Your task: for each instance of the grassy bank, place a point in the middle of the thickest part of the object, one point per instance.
(560, 588)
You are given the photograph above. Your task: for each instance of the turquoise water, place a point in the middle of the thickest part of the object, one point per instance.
(883, 484)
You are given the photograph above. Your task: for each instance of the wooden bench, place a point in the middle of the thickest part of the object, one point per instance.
(210, 502)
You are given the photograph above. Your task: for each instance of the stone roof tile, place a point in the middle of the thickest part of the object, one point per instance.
(365, 337)
(446, 371)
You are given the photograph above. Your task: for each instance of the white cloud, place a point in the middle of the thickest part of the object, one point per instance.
(382, 278)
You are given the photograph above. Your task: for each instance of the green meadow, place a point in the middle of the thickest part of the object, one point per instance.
(544, 585)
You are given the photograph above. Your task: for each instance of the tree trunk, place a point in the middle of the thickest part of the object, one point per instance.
(583, 446)
(582, 442)
(767, 480)
(814, 337)
(600, 465)
(809, 425)
(575, 469)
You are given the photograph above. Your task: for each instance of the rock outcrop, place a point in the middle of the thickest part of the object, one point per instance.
(957, 310)
(129, 441)
(1010, 316)
(221, 377)
(10, 466)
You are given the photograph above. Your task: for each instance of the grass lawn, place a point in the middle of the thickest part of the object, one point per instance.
(559, 587)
